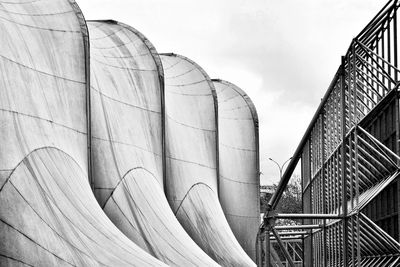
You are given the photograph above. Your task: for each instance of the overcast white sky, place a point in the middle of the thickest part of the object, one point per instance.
(283, 53)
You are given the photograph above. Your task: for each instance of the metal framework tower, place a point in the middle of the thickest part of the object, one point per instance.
(350, 162)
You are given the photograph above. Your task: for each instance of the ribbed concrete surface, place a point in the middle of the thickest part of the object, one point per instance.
(239, 182)
(127, 128)
(191, 152)
(48, 214)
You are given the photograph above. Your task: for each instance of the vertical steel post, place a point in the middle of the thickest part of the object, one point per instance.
(343, 162)
(351, 160)
(352, 91)
(397, 105)
(323, 177)
(354, 74)
(397, 118)
(389, 54)
(383, 57)
(259, 248)
(267, 248)
(357, 197)
(395, 39)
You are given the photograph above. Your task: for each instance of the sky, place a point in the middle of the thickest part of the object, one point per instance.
(283, 53)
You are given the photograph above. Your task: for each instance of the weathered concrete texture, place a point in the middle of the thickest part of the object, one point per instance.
(238, 163)
(43, 81)
(127, 128)
(191, 153)
(48, 215)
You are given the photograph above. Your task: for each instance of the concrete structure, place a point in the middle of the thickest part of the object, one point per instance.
(192, 160)
(48, 214)
(80, 116)
(127, 143)
(239, 163)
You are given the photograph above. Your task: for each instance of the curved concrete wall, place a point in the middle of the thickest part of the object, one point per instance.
(239, 163)
(127, 133)
(43, 81)
(192, 160)
(48, 215)
(57, 132)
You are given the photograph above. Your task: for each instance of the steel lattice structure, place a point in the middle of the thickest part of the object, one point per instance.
(350, 163)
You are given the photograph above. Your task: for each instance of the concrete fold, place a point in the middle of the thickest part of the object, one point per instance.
(49, 217)
(239, 163)
(127, 143)
(192, 160)
(48, 214)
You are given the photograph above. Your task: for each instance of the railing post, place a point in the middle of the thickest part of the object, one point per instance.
(324, 180)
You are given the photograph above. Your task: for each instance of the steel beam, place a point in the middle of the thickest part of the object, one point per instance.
(297, 227)
(307, 216)
(292, 233)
